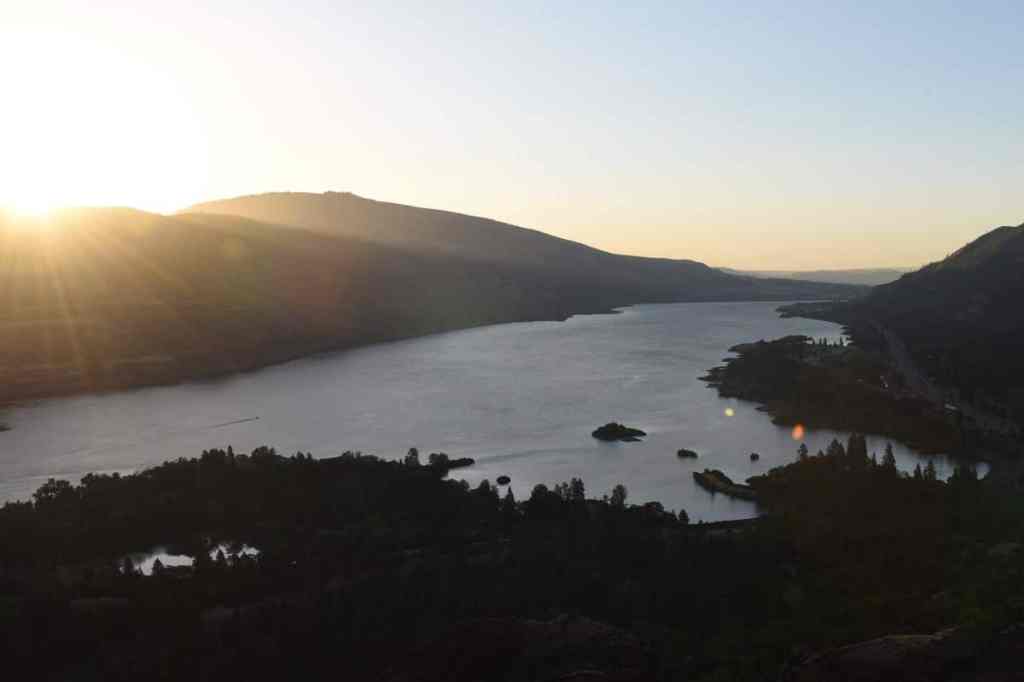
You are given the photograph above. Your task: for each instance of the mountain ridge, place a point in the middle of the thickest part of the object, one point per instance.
(107, 298)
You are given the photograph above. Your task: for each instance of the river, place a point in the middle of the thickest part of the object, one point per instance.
(521, 399)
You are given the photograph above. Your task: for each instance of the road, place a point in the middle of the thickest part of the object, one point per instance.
(921, 384)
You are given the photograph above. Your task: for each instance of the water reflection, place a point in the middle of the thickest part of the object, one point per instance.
(168, 557)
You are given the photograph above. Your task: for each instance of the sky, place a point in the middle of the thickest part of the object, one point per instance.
(767, 135)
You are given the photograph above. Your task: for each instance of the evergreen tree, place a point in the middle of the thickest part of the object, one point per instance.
(576, 490)
(802, 452)
(889, 460)
(857, 448)
(618, 498)
(508, 504)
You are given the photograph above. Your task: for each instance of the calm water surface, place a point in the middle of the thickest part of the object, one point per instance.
(520, 398)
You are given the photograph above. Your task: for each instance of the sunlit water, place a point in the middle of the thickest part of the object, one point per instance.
(520, 398)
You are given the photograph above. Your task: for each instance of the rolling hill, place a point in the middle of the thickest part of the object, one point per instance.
(94, 299)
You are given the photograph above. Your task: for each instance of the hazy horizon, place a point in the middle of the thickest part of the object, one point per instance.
(796, 138)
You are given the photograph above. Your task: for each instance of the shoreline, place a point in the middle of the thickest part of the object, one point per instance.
(714, 481)
(803, 383)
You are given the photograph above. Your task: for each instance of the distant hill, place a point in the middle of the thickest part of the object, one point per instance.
(102, 298)
(624, 279)
(869, 277)
(963, 317)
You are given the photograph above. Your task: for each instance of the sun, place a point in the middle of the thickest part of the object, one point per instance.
(86, 125)
(30, 207)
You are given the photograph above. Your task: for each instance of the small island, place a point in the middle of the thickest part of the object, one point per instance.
(683, 453)
(613, 431)
(715, 481)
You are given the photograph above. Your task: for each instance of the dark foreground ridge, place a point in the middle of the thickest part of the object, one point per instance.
(370, 570)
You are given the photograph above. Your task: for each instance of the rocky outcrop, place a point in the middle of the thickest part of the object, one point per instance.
(947, 655)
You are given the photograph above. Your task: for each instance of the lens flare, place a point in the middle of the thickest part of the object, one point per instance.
(798, 432)
(729, 412)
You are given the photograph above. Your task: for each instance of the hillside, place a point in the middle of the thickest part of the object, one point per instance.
(962, 317)
(93, 299)
(625, 279)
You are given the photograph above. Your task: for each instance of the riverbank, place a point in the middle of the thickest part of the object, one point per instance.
(984, 431)
(812, 384)
(715, 481)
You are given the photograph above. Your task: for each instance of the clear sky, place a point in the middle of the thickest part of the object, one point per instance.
(753, 135)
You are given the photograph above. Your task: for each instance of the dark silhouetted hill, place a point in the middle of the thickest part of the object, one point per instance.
(105, 298)
(963, 317)
(622, 279)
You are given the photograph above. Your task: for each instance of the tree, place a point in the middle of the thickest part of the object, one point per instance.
(577, 492)
(158, 567)
(684, 518)
(930, 474)
(54, 490)
(619, 494)
(543, 503)
(508, 504)
(857, 448)
(889, 460)
(802, 452)
(412, 458)
(485, 489)
(202, 562)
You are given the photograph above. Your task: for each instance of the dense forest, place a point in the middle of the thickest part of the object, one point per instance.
(371, 569)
